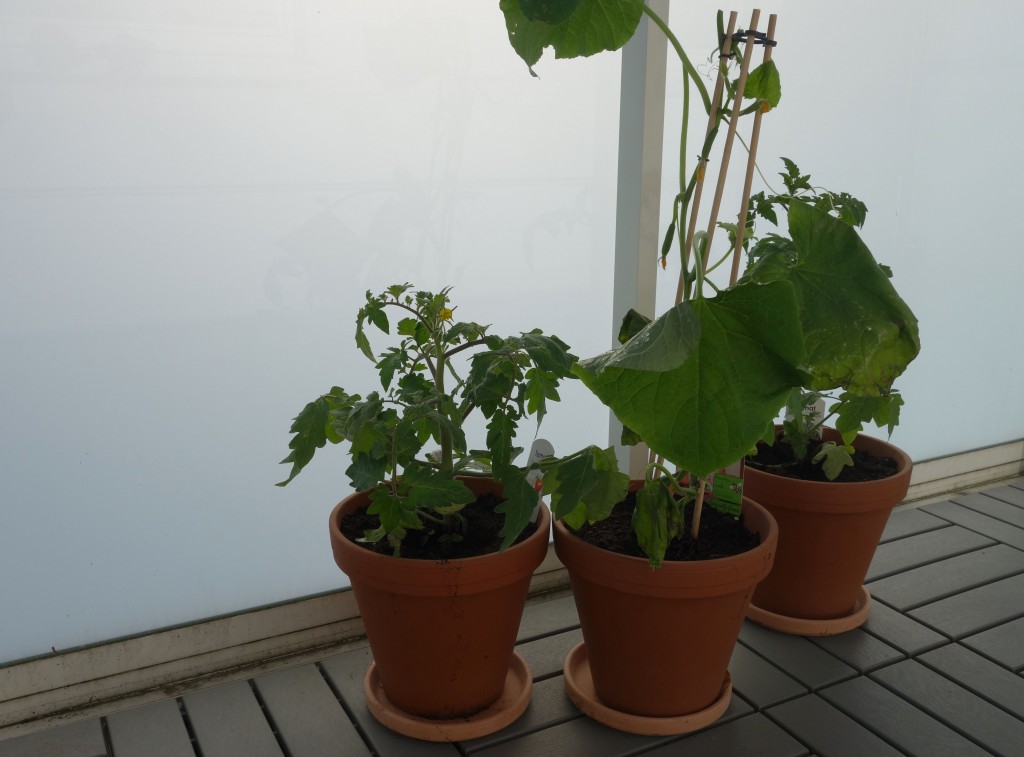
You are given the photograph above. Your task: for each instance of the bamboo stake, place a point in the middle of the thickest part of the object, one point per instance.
(751, 165)
(737, 106)
(698, 507)
(698, 188)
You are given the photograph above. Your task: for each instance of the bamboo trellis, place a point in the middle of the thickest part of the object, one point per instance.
(751, 37)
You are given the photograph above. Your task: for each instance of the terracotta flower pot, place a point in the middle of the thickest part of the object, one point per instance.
(657, 642)
(442, 633)
(828, 532)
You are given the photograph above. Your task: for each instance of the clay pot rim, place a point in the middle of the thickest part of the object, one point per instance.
(836, 497)
(430, 574)
(904, 464)
(634, 574)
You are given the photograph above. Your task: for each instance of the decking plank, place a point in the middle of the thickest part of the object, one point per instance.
(1008, 493)
(827, 731)
(83, 739)
(904, 523)
(975, 610)
(898, 721)
(346, 672)
(152, 730)
(548, 706)
(760, 682)
(583, 737)
(548, 616)
(975, 521)
(984, 677)
(858, 649)
(993, 507)
(580, 737)
(900, 631)
(922, 549)
(807, 663)
(546, 655)
(1003, 643)
(929, 583)
(306, 714)
(753, 735)
(228, 722)
(964, 711)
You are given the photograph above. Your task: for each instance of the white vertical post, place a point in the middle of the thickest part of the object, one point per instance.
(637, 231)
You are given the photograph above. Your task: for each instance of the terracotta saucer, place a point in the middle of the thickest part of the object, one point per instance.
(579, 686)
(510, 705)
(812, 627)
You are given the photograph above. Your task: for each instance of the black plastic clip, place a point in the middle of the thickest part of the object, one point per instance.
(759, 38)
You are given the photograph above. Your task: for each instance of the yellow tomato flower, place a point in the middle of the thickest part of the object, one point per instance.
(446, 314)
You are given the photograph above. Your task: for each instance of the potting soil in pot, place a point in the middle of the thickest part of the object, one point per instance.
(482, 536)
(720, 535)
(780, 460)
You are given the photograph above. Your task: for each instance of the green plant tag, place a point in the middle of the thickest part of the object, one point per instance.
(725, 493)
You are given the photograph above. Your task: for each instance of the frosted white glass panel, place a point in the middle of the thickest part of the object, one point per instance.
(195, 196)
(912, 108)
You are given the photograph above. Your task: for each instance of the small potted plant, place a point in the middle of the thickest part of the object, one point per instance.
(440, 540)
(830, 489)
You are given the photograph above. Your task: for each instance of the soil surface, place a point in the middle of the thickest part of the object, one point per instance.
(780, 460)
(720, 535)
(481, 538)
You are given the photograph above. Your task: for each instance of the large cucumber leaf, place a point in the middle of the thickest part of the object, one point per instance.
(572, 28)
(700, 383)
(859, 333)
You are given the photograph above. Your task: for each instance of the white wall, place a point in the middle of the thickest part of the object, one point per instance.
(195, 197)
(915, 108)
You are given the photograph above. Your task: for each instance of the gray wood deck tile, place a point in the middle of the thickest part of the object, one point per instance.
(1003, 643)
(152, 730)
(750, 736)
(583, 737)
(346, 672)
(807, 663)
(993, 507)
(975, 610)
(903, 523)
(548, 706)
(979, 720)
(83, 739)
(922, 549)
(984, 677)
(1008, 493)
(975, 521)
(307, 716)
(542, 618)
(760, 682)
(901, 632)
(858, 649)
(580, 737)
(972, 716)
(897, 720)
(228, 722)
(920, 586)
(546, 655)
(827, 731)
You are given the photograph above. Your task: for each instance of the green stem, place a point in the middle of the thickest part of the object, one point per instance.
(688, 68)
(684, 206)
(445, 435)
